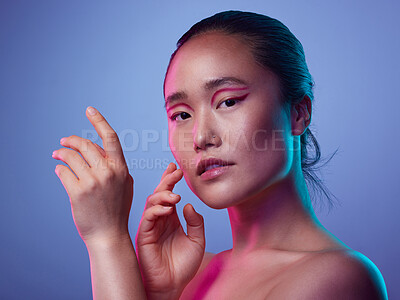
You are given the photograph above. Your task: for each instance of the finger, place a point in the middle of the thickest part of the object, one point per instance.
(164, 198)
(111, 143)
(171, 167)
(194, 225)
(68, 179)
(72, 158)
(169, 181)
(101, 150)
(151, 215)
(85, 147)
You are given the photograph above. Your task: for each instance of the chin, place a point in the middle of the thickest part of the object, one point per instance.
(238, 187)
(218, 196)
(215, 202)
(228, 194)
(215, 196)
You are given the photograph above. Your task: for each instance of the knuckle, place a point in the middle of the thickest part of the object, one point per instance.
(112, 163)
(126, 176)
(109, 174)
(148, 212)
(72, 139)
(85, 144)
(98, 164)
(103, 165)
(112, 136)
(156, 208)
(71, 154)
(88, 142)
(63, 152)
(171, 176)
(98, 118)
(60, 169)
(91, 183)
(165, 194)
(150, 199)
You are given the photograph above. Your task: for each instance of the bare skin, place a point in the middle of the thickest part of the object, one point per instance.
(331, 274)
(280, 250)
(275, 231)
(114, 267)
(100, 189)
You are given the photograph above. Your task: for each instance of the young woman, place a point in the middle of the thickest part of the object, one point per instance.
(238, 96)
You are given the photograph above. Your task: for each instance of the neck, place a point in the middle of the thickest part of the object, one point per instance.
(278, 218)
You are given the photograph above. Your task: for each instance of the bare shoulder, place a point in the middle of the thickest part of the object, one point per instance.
(345, 274)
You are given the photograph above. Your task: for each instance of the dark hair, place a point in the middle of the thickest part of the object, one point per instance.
(274, 47)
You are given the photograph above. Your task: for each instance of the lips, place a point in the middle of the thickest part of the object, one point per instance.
(207, 164)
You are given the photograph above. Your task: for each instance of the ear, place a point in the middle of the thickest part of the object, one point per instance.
(301, 116)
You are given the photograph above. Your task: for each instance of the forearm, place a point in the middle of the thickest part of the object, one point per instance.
(114, 270)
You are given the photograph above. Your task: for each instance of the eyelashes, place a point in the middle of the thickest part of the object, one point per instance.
(175, 116)
(181, 116)
(231, 102)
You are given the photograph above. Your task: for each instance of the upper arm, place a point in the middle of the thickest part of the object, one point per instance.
(337, 277)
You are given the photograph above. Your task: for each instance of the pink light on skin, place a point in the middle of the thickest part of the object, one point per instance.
(226, 90)
(212, 99)
(208, 279)
(179, 104)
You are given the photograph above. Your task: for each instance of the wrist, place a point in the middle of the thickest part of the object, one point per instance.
(108, 241)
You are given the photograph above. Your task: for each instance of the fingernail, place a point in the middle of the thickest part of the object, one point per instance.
(172, 195)
(53, 155)
(62, 140)
(167, 207)
(91, 111)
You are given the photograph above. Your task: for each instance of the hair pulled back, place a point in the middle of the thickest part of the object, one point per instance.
(275, 48)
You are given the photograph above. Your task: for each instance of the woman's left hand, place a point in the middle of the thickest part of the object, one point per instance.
(101, 192)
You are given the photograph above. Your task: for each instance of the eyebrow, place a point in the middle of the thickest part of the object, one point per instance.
(208, 86)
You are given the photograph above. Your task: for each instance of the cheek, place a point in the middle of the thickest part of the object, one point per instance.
(272, 151)
(255, 135)
(180, 140)
(272, 141)
(269, 133)
(181, 147)
(265, 147)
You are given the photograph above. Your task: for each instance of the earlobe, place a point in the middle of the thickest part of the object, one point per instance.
(301, 116)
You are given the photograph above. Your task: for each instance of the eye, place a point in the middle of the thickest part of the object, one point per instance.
(180, 116)
(233, 101)
(229, 102)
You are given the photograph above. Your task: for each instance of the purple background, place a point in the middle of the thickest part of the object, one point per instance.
(58, 57)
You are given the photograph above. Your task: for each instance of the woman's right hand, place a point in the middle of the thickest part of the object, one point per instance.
(168, 258)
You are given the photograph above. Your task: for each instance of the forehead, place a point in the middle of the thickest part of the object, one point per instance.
(209, 56)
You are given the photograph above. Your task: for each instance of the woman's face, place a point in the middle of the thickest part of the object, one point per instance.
(228, 130)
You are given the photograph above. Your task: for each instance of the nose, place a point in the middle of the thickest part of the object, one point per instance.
(205, 134)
